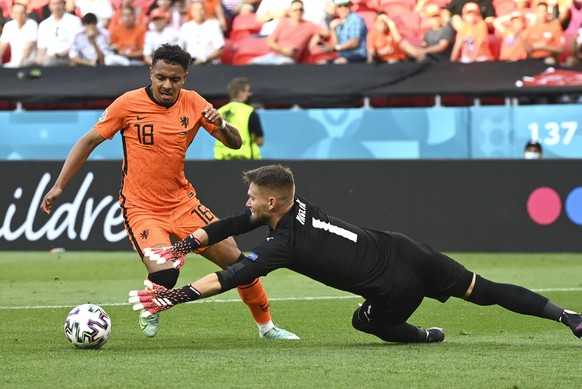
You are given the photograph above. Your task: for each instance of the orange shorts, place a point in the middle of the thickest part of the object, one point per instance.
(147, 229)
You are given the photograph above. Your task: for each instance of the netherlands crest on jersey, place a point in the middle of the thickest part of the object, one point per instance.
(103, 115)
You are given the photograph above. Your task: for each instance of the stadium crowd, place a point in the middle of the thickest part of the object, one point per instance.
(126, 32)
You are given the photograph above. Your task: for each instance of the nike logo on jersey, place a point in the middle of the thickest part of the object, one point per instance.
(270, 238)
(141, 117)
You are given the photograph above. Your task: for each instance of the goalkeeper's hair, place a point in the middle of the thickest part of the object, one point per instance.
(173, 55)
(276, 178)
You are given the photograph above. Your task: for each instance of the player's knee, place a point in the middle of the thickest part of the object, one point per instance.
(166, 278)
(480, 294)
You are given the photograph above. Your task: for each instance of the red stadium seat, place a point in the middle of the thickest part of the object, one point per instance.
(249, 48)
(363, 5)
(228, 53)
(6, 56)
(408, 23)
(369, 17)
(244, 26)
(495, 45)
(316, 55)
(393, 7)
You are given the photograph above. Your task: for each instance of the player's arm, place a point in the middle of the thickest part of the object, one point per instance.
(223, 131)
(156, 298)
(76, 158)
(208, 235)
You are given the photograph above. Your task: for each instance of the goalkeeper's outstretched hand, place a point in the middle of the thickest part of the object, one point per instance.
(175, 253)
(155, 298)
(162, 255)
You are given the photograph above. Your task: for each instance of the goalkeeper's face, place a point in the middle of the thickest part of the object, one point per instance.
(167, 81)
(260, 204)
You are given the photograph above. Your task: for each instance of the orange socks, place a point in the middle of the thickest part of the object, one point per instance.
(255, 296)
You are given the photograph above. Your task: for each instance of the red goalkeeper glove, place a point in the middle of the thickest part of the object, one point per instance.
(175, 253)
(156, 298)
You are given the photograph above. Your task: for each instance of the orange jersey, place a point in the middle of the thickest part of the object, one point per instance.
(512, 47)
(547, 34)
(385, 47)
(155, 140)
(124, 39)
(475, 40)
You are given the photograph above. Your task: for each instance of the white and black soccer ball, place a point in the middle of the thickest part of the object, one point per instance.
(88, 326)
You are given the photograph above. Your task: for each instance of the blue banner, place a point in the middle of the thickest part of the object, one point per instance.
(387, 133)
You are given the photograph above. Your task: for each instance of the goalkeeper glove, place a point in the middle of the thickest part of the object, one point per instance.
(156, 298)
(175, 253)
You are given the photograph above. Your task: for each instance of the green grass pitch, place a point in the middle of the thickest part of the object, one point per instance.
(214, 343)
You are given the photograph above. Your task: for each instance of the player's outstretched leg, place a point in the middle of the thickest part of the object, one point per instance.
(522, 300)
(401, 333)
(168, 279)
(255, 296)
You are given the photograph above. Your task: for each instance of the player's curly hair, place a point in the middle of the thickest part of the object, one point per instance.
(173, 55)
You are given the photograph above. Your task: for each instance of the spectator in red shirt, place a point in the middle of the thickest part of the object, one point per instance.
(291, 38)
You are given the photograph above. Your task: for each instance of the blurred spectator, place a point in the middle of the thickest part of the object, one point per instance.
(454, 11)
(348, 35)
(215, 10)
(472, 40)
(437, 43)
(241, 115)
(91, 45)
(162, 33)
(102, 9)
(561, 10)
(545, 38)
(384, 40)
(2, 21)
(575, 59)
(201, 37)
(168, 7)
(56, 35)
(269, 13)
(533, 150)
(127, 38)
(511, 29)
(140, 14)
(20, 33)
(291, 38)
(236, 7)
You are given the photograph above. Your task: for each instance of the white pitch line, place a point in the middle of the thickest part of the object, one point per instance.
(209, 300)
(306, 298)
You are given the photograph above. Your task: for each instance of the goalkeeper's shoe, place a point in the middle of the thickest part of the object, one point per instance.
(150, 324)
(434, 335)
(574, 321)
(278, 333)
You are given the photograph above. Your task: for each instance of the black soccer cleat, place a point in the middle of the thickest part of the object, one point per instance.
(574, 321)
(435, 334)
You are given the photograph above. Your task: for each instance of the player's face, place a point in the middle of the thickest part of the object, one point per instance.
(167, 80)
(259, 204)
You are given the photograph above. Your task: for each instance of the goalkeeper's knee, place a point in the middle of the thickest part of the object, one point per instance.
(166, 278)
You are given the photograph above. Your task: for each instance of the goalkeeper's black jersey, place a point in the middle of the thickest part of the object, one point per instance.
(319, 246)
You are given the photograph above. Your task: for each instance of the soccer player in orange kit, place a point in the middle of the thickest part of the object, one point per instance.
(157, 124)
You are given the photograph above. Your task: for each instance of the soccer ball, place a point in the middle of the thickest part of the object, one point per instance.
(88, 326)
